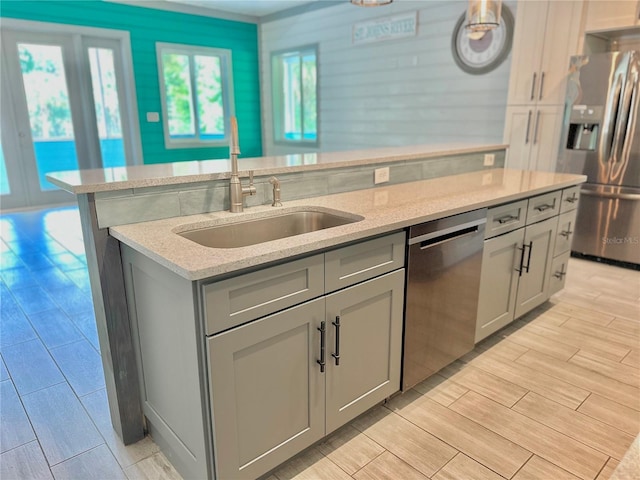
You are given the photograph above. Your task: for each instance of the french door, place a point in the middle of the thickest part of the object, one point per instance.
(66, 105)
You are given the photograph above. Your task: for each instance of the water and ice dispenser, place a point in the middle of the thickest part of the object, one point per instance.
(584, 127)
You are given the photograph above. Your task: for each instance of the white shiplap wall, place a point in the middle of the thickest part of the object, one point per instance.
(397, 92)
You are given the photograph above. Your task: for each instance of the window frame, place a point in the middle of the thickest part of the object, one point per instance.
(226, 81)
(277, 92)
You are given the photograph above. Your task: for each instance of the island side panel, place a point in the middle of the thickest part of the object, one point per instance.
(113, 324)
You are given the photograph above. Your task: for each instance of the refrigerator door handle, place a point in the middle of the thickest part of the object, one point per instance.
(628, 125)
(612, 195)
(614, 119)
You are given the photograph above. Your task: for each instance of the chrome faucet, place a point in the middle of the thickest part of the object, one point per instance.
(276, 192)
(237, 192)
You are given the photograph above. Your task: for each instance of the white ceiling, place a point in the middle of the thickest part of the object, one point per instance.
(254, 8)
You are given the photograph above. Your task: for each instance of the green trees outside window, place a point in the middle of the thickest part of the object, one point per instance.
(195, 85)
(295, 103)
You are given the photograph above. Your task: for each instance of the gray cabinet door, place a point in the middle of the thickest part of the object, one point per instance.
(533, 286)
(370, 344)
(266, 390)
(498, 282)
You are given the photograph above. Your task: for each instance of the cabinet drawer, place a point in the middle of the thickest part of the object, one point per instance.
(237, 300)
(570, 197)
(505, 218)
(543, 207)
(564, 235)
(558, 273)
(362, 261)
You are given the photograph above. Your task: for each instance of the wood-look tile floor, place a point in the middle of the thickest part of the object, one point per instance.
(553, 396)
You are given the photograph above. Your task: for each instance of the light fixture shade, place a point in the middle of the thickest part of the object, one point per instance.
(483, 15)
(371, 3)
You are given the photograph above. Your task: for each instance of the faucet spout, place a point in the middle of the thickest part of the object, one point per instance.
(237, 191)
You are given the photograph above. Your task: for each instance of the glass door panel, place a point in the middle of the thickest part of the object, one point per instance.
(5, 188)
(47, 95)
(107, 106)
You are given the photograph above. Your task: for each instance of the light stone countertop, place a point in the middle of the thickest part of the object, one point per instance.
(384, 209)
(151, 175)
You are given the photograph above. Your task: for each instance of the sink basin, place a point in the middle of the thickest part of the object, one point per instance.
(265, 229)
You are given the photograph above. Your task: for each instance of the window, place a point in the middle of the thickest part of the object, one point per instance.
(295, 107)
(196, 91)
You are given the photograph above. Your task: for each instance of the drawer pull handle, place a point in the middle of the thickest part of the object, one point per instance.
(322, 362)
(506, 219)
(566, 233)
(561, 273)
(572, 199)
(542, 208)
(337, 354)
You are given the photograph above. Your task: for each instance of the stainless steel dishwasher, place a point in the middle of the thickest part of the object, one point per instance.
(443, 283)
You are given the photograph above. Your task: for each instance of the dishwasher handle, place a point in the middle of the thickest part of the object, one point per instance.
(446, 234)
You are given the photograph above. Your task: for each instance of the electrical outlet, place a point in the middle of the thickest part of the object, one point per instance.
(489, 158)
(381, 175)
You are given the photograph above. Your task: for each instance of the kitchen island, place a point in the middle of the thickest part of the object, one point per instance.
(159, 205)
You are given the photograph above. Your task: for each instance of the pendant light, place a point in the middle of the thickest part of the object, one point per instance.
(371, 3)
(483, 15)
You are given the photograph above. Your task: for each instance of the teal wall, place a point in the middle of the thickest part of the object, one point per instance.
(148, 26)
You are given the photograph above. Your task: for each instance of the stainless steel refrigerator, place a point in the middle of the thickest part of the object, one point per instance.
(601, 140)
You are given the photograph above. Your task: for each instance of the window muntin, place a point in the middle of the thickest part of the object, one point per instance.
(295, 96)
(197, 98)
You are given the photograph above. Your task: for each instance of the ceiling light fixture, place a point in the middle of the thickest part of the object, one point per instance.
(483, 15)
(371, 3)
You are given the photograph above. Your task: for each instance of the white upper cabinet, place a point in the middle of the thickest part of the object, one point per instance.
(611, 14)
(546, 35)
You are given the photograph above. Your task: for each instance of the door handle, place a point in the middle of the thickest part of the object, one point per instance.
(541, 86)
(520, 268)
(336, 355)
(323, 331)
(524, 268)
(535, 128)
(533, 87)
(526, 137)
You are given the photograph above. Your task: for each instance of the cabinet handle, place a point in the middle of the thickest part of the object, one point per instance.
(542, 208)
(506, 219)
(541, 86)
(520, 268)
(566, 233)
(526, 269)
(535, 128)
(560, 274)
(533, 86)
(572, 199)
(526, 137)
(337, 354)
(322, 362)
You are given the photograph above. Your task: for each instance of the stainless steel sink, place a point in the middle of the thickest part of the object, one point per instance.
(265, 229)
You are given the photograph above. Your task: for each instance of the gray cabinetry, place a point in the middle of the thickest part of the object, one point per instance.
(267, 392)
(280, 382)
(498, 282)
(533, 284)
(364, 341)
(524, 263)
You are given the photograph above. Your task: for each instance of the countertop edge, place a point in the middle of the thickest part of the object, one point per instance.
(284, 249)
(246, 164)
